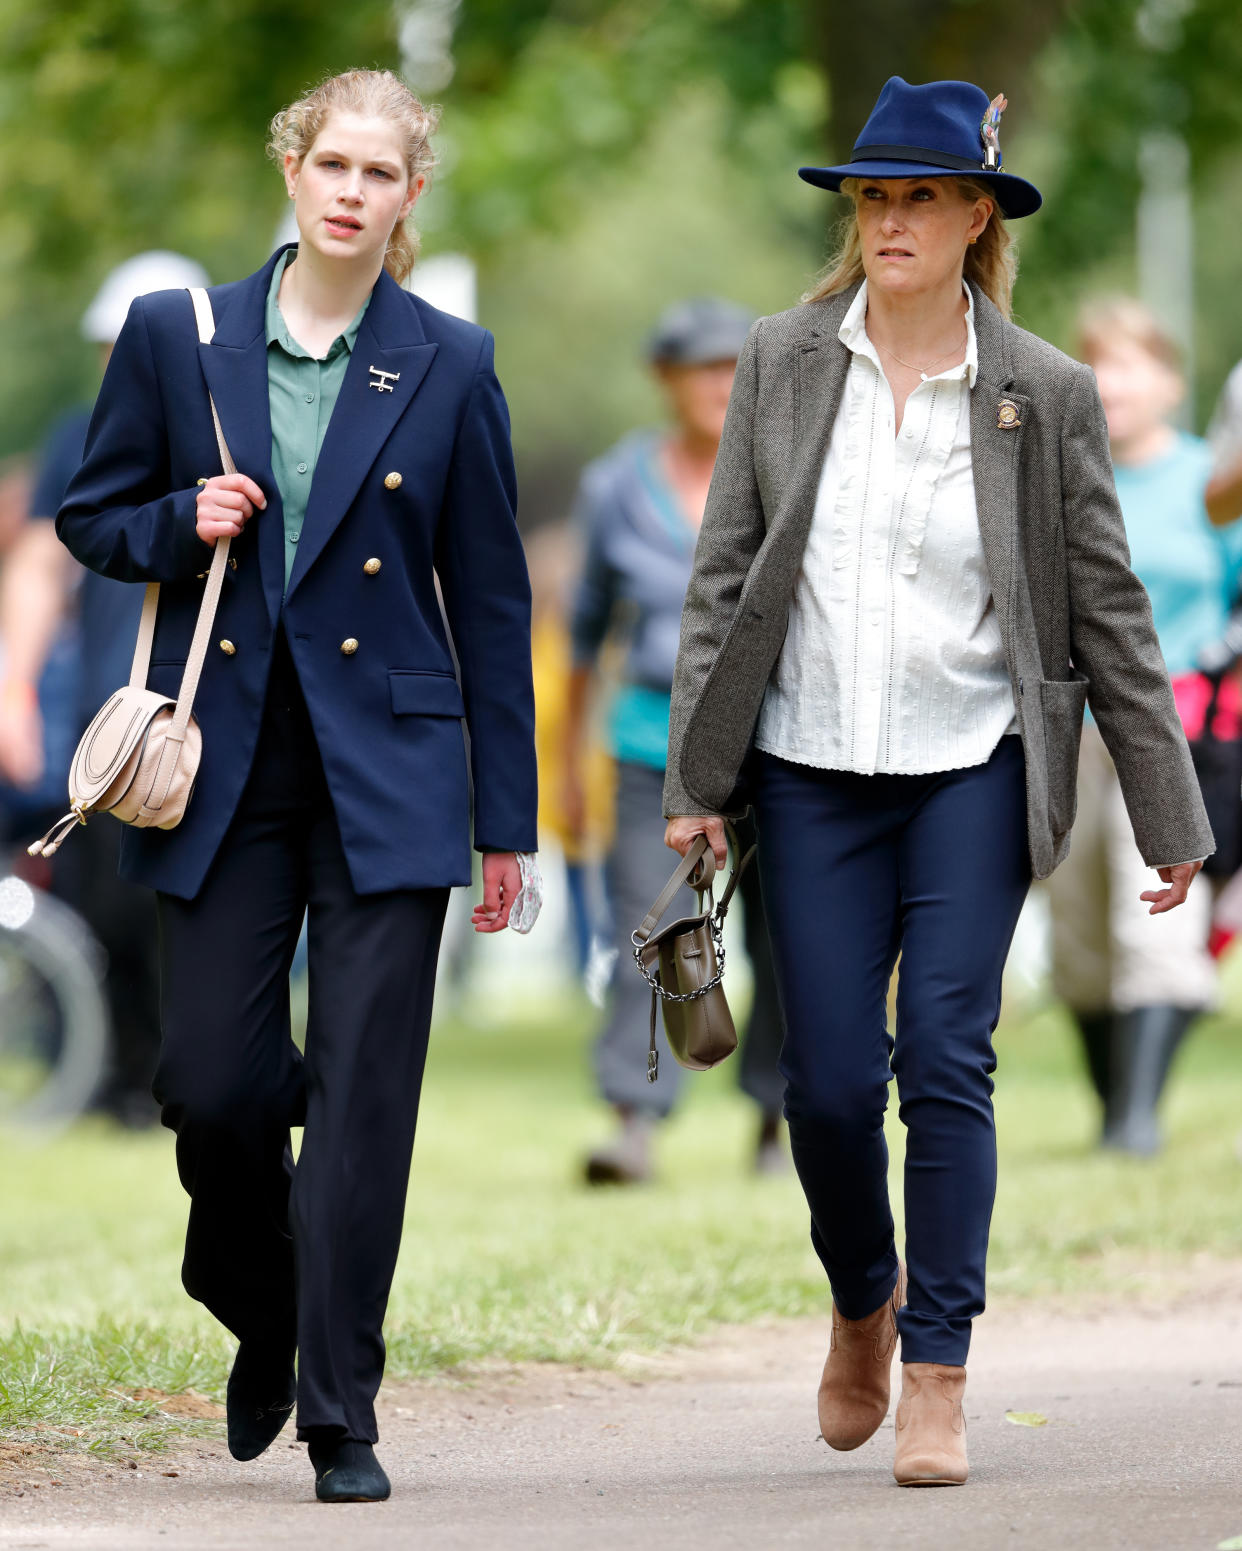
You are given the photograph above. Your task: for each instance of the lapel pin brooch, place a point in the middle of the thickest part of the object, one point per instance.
(989, 132)
(382, 381)
(1007, 416)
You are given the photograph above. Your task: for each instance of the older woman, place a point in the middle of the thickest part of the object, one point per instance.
(912, 576)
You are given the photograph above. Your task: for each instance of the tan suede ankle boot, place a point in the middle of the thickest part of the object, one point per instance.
(854, 1391)
(931, 1429)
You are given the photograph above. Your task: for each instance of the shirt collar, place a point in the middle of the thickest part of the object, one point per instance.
(853, 335)
(277, 331)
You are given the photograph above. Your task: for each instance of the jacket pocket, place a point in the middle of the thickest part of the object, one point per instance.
(1063, 703)
(419, 693)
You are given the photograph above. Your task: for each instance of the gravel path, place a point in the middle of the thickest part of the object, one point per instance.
(715, 1448)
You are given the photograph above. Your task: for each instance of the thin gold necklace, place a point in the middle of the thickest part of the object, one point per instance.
(923, 371)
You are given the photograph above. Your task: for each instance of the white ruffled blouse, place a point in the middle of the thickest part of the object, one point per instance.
(893, 660)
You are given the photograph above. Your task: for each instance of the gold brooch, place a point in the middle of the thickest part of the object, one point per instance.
(1007, 416)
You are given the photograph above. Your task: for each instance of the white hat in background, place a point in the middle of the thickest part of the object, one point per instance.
(157, 270)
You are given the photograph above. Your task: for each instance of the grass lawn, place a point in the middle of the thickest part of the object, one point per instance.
(508, 1257)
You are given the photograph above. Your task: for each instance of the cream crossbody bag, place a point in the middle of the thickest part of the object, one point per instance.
(138, 758)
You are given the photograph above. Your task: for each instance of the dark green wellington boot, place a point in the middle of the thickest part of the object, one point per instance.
(1095, 1030)
(1144, 1044)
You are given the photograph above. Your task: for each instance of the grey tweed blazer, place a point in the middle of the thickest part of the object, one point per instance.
(1075, 620)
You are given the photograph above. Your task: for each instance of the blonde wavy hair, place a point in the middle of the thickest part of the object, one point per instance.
(1103, 320)
(991, 262)
(371, 94)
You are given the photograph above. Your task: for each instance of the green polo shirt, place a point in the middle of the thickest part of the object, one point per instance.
(302, 391)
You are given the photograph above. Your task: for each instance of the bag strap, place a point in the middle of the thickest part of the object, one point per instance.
(681, 875)
(684, 873)
(215, 577)
(701, 860)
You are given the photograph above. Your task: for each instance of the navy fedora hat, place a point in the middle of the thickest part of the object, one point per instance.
(932, 131)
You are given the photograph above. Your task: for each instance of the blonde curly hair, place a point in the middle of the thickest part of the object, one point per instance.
(991, 262)
(372, 94)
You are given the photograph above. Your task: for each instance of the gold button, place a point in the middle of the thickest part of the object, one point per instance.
(228, 648)
(372, 566)
(392, 481)
(202, 481)
(348, 648)
(232, 563)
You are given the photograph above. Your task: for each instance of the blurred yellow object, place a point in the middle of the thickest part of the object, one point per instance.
(551, 661)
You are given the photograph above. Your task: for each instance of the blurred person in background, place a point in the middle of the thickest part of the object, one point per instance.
(31, 791)
(912, 577)
(50, 605)
(371, 439)
(1136, 983)
(639, 509)
(552, 556)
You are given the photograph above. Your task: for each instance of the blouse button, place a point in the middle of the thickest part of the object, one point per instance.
(301, 468)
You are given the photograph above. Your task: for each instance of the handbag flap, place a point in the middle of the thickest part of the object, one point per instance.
(688, 959)
(116, 733)
(650, 951)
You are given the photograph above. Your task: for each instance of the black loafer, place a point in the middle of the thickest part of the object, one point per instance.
(348, 1472)
(260, 1398)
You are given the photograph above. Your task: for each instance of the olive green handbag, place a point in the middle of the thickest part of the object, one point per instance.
(684, 962)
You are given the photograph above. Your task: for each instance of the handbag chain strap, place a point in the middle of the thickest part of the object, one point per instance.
(215, 577)
(714, 926)
(699, 860)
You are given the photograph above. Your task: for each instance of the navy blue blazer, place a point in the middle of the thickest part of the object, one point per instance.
(388, 715)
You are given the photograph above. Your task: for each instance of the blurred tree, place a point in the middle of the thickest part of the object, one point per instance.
(547, 94)
(1117, 70)
(547, 98)
(138, 123)
(135, 124)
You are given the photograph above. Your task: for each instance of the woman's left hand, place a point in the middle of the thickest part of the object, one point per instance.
(1179, 879)
(502, 879)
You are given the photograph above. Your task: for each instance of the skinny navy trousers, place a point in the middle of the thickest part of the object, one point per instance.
(858, 870)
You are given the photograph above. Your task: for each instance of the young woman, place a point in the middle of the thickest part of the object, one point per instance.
(372, 443)
(911, 577)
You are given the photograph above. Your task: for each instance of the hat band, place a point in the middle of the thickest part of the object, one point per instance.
(914, 153)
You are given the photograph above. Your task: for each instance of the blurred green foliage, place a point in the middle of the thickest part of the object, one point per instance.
(599, 159)
(132, 124)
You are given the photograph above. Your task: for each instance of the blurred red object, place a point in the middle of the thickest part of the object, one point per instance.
(1193, 692)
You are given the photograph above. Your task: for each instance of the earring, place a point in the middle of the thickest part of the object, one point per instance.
(973, 240)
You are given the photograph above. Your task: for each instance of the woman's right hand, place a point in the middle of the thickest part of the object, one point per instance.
(225, 505)
(684, 830)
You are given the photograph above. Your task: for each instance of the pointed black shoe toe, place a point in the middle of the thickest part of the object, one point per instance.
(348, 1472)
(260, 1399)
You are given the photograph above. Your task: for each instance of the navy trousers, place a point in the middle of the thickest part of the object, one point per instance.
(857, 871)
(296, 1257)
